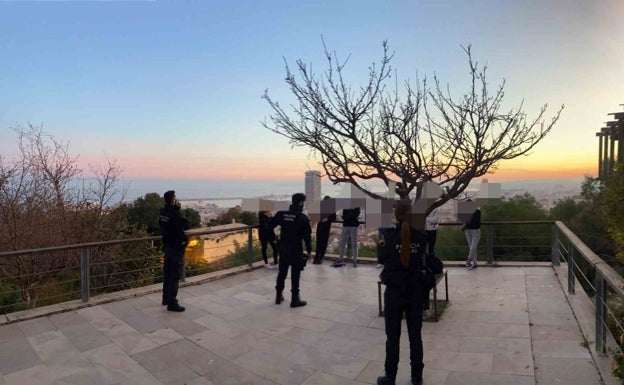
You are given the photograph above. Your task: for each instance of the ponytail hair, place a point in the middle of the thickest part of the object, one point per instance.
(401, 213)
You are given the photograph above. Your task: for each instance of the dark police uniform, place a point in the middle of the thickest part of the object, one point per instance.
(295, 228)
(403, 294)
(322, 237)
(172, 226)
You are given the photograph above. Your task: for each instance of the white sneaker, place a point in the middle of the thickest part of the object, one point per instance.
(379, 265)
(267, 266)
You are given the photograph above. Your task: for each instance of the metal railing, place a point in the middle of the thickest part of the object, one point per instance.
(599, 280)
(38, 277)
(526, 241)
(80, 271)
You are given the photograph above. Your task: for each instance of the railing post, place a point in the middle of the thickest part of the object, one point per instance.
(571, 277)
(489, 246)
(84, 274)
(554, 250)
(601, 329)
(250, 246)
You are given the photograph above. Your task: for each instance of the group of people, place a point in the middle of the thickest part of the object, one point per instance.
(403, 252)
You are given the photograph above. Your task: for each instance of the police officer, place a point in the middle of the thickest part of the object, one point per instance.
(295, 228)
(322, 233)
(172, 226)
(401, 251)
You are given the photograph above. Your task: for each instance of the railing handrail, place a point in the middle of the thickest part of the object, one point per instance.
(192, 232)
(610, 275)
(547, 222)
(195, 232)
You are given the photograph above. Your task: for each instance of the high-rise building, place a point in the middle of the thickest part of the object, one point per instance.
(313, 185)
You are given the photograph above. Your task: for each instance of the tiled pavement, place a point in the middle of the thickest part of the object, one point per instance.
(508, 325)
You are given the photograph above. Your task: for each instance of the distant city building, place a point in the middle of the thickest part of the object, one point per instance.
(313, 185)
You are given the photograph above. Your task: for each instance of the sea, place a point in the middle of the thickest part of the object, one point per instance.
(229, 193)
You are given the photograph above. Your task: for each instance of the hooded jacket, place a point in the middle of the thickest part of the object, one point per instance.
(475, 221)
(265, 231)
(172, 226)
(350, 217)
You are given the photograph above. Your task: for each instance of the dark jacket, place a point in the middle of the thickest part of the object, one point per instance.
(475, 220)
(393, 273)
(295, 228)
(265, 231)
(172, 226)
(350, 217)
(323, 226)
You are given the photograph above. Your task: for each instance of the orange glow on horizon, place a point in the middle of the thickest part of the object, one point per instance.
(294, 168)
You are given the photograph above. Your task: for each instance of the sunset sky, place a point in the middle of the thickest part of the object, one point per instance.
(173, 89)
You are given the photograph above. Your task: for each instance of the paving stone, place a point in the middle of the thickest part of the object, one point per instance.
(36, 326)
(17, 355)
(67, 319)
(320, 378)
(560, 348)
(513, 331)
(233, 333)
(519, 363)
(550, 318)
(35, 375)
(469, 378)
(10, 332)
(556, 332)
(117, 367)
(279, 371)
(53, 346)
(85, 337)
(552, 370)
(164, 336)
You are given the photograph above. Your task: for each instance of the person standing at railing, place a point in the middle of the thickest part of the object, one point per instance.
(172, 225)
(322, 234)
(350, 224)
(295, 229)
(401, 249)
(267, 237)
(431, 229)
(472, 230)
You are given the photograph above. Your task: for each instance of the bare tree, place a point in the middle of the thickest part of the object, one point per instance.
(41, 206)
(404, 135)
(106, 185)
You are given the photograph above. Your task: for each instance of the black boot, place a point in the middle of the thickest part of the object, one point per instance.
(384, 380)
(417, 371)
(175, 307)
(278, 297)
(296, 301)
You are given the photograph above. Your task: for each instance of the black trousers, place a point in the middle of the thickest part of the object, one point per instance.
(264, 243)
(295, 262)
(431, 240)
(322, 237)
(172, 271)
(400, 300)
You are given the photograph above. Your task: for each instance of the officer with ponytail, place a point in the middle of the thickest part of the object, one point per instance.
(401, 250)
